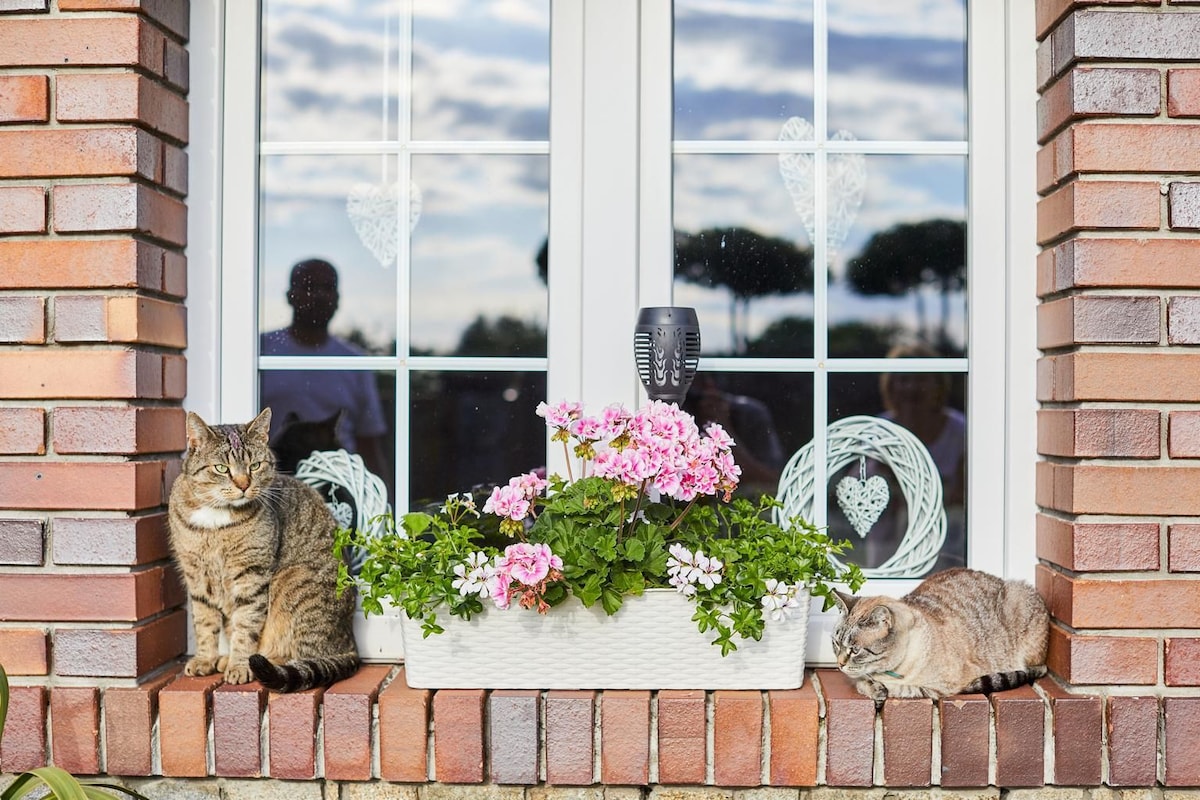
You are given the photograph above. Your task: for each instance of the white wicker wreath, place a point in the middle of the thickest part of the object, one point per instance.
(881, 440)
(329, 471)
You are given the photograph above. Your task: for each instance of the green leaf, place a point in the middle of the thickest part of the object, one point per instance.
(610, 599)
(61, 783)
(634, 550)
(3, 700)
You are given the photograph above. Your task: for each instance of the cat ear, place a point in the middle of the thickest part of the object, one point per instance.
(197, 430)
(260, 426)
(880, 615)
(844, 601)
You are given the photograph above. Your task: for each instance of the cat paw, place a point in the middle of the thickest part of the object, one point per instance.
(238, 672)
(198, 665)
(222, 662)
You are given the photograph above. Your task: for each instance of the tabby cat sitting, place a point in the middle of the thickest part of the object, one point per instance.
(960, 630)
(256, 551)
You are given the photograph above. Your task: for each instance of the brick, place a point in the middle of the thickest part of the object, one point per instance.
(1119, 490)
(965, 730)
(1098, 320)
(569, 719)
(81, 318)
(1183, 206)
(118, 430)
(1181, 662)
(115, 541)
(121, 97)
(79, 152)
(146, 320)
(21, 542)
(237, 720)
(795, 736)
(403, 732)
(907, 742)
(1183, 320)
(1020, 732)
(1165, 377)
(43, 597)
(93, 263)
(1099, 433)
(737, 738)
(123, 207)
(850, 731)
(348, 707)
(170, 14)
(23, 651)
(513, 736)
(176, 65)
(22, 210)
(174, 377)
(1109, 35)
(1098, 92)
(22, 319)
(1118, 263)
(24, 5)
(77, 374)
(24, 98)
(183, 725)
(1183, 92)
(1098, 546)
(458, 735)
(54, 485)
(1098, 603)
(292, 733)
(1181, 731)
(682, 737)
(22, 431)
(23, 746)
(1050, 12)
(1098, 205)
(82, 42)
(75, 723)
(1078, 735)
(1183, 548)
(1132, 725)
(625, 738)
(129, 715)
(1132, 147)
(121, 653)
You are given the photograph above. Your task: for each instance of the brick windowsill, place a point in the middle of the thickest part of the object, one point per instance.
(374, 727)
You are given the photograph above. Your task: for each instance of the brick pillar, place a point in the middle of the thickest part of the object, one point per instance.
(1118, 486)
(93, 125)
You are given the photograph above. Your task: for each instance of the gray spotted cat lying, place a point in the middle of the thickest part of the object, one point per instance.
(960, 630)
(255, 549)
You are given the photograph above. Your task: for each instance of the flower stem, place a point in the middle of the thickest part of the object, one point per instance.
(567, 454)
(682, 514)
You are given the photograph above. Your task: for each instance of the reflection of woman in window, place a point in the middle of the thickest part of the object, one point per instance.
(918, 401)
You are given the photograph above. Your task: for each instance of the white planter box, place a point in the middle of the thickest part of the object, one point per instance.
(650, 643)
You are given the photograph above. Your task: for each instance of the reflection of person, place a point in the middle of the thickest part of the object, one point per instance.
(918, 401)
(311, 395)
(758, 451)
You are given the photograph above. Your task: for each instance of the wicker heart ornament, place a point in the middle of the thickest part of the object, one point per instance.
(373, 209)
(862, 501)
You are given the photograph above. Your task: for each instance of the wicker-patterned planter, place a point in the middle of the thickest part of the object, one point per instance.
(650, 643)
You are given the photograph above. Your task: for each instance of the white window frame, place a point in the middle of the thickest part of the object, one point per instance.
(610, 180)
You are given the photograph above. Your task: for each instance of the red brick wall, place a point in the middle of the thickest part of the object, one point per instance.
(1119, 487)
(93, 174)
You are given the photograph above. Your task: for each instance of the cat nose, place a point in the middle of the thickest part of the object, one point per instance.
(242, 482)
(842, 659)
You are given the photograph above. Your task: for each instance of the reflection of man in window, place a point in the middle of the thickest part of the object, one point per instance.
(309, 395)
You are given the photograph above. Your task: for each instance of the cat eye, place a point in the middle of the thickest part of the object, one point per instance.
(220, 469)
(256, 466)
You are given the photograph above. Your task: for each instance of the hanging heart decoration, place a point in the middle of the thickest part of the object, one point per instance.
(846, 181)
(373, 210)
(862, 501)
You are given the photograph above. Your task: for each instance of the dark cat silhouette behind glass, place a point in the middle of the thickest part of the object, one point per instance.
(299, 438)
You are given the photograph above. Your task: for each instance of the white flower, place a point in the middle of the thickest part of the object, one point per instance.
(474, 576)
(708, 570)
(780, 600)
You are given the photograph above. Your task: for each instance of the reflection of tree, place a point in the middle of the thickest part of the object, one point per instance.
(504, 336)
(911, 256)
(747, 263)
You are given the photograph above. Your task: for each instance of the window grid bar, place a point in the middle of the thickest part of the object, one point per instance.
(820, 257)
(400, 419)
(864, 146)
(401, 146)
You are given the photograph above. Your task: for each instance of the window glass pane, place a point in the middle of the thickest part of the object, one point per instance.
(930, 405)
(473, 430)
(902, 274)
(898, 69)
(768, 415)
(331, 409)
(742, 258)
(477, 287)
(481, 70)
(741, 69)
(341, 210)
(329, 70)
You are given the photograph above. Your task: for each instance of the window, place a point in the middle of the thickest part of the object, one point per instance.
(625, 148)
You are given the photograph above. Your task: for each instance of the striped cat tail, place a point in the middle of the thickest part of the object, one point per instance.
(999, 681)
(296, 676)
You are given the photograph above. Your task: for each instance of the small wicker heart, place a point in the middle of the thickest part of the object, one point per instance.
(372, 209)
(862, 501)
